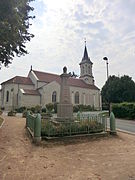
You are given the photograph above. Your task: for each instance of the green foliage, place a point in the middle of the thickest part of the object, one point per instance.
(32, 109)
(24, 114)
(11, 113)
(46, 115)
(36, 109)
(49, 107)
(124, 110)
(75, 108)
(14, 26)
(55, 107)
(49, 128)
(43, 110)
(83, 108)
(21, 109)
(118, 89)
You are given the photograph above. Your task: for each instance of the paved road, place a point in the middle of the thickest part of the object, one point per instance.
(126, 125)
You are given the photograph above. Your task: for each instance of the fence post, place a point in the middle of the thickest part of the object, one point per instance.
(27, 118)
(37, 129)
(78, 115)
(112, 124)
(103, 122)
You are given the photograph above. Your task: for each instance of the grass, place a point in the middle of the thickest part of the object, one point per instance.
(1, 121)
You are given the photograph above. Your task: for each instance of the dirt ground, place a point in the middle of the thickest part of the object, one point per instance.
(103, 158)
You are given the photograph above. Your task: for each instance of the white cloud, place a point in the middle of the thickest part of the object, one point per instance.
(60, 28)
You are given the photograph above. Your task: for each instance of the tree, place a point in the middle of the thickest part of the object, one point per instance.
(118, 89)
(14, 26)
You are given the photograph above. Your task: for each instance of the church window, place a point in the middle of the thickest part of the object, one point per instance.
(77, 98)
(89, 70)
(54, 96)
(83, 69)
(7, 96)
(86, 68)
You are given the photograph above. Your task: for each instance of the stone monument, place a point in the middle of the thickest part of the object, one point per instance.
(65, 108)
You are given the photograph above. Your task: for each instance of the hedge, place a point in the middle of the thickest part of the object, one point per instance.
(124, 110)
(83, 108)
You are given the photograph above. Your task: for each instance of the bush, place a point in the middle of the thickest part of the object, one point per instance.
(43, 110)
(11, 113)
(46, 115)
(55, 107)
(124, 110)
(49, 107)
(75, 108)
(24, 114)
(21, 109)
(32, 109)
(38, 109)
(2, 108)
(70, 128)
(82, 107)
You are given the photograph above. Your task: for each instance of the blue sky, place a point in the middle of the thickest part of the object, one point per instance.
(60, 28)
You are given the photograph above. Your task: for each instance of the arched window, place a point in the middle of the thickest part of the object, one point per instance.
(89, 70)
(86, 68)
(77, 98)
(83, 69)
(54, 96)
(7, 96)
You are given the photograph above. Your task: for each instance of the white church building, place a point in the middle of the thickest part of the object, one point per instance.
(41, 88)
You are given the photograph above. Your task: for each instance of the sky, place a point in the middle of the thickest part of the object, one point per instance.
(60, 28)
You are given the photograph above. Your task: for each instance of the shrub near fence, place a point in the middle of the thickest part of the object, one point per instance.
(124, 110)
(84, 125)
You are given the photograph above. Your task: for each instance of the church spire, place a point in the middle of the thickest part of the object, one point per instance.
(85, 56)
(86, 67)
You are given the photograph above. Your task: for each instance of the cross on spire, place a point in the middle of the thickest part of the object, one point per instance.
(85, 41)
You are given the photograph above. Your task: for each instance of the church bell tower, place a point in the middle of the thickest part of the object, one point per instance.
(86, 68)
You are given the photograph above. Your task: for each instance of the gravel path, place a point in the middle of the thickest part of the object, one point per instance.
(83, 159)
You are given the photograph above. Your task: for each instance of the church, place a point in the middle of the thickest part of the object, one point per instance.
(41, 88)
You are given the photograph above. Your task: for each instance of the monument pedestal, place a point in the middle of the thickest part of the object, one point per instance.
(65, 111)
(65, 108)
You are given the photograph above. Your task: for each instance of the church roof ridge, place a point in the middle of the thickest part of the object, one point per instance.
(31, 92)
(19, 80)
(49, 77)
(45, 72)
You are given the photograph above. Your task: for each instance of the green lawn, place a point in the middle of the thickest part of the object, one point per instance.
(1, 120)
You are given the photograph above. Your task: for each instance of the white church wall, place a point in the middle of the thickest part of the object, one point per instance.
(33, 78)
(40, 84)
(13, 90)
(86, 96)
(28, 100)
(47, 93)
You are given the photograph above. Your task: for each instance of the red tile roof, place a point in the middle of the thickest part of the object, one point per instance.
(48, 77)
(31, 92)
(19, 80)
